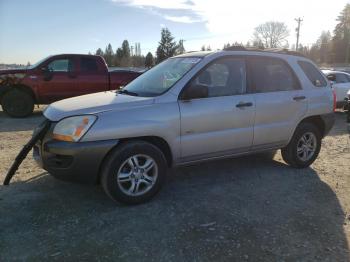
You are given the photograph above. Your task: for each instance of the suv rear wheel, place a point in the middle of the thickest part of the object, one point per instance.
(17, 103)
(304, 146)
(134, 173)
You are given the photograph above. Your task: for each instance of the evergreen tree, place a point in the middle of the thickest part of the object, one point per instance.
(324, 44)
(126, 49)
(341, 39)
(126, 54)
(99, 52)
(167, 46)
(118, 57)
(108, 55)
(181, 48)
(149, 61)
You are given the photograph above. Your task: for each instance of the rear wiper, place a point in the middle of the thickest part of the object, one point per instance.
(126, 92)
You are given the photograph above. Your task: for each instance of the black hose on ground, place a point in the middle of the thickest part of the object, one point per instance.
(39, 134)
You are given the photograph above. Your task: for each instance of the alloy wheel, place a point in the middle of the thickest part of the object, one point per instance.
(306, 146)
(137, 175)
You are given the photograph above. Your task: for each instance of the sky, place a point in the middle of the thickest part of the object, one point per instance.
(31, 30)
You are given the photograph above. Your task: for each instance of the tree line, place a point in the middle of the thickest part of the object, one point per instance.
(330, 48)
(125, 57)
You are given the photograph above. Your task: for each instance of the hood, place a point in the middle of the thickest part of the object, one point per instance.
(94, 104)
(13, 71)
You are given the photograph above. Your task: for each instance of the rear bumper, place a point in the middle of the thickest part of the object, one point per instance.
(328, 120)
(76, 162)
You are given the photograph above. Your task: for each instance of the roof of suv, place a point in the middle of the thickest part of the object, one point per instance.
(196, 54)
(242, 48)
(268, 50)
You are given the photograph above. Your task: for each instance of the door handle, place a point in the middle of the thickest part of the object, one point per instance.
(243, 104)
(298, 98)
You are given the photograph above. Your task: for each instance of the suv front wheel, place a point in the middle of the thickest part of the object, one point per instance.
(304, 146)
(134, 172)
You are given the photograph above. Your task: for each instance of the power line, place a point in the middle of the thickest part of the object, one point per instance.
(299, 20)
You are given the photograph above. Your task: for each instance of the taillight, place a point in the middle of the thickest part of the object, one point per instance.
(334, 100)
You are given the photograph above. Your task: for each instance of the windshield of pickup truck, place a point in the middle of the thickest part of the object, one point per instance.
(38, 63)
(160, 78)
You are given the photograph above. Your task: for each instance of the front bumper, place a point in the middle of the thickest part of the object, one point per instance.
(70, 161)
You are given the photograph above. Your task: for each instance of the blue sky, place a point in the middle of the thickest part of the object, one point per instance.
(31, 30)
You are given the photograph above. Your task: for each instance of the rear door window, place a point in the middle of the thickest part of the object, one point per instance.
(270, 74)
(313, 74)
(88, 65)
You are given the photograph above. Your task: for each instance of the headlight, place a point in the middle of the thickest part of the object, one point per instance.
(73, 128)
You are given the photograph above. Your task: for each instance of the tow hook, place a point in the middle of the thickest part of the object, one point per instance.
(38, 134)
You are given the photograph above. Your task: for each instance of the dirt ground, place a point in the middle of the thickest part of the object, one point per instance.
(244, 209)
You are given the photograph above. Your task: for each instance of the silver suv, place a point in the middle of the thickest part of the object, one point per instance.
(193, 107)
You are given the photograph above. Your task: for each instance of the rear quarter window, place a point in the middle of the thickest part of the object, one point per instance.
(313, 74)
(271, 74)
(88, 64)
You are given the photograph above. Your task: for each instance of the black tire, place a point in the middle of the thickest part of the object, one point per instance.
(116, 161)
(289, 153)
(17, 103)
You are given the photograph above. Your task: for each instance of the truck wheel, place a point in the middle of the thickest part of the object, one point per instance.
(17, 103)
(304, 146)
(134, 172)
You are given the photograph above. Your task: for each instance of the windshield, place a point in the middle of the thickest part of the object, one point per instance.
(161, 78)
(38, 63)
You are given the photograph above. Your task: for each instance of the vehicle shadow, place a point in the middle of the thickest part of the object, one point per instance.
(228, 210)
(340, 125)
(9, 124)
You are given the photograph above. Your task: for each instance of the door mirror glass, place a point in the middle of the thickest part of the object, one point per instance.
(331, 78)
(195, 91)
(44, 69)
(47, 73)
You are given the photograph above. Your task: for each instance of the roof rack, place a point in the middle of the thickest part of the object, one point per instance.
(270, 50)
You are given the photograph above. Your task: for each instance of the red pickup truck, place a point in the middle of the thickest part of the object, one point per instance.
(55, 78)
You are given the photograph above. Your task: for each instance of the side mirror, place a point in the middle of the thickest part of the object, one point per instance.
(331, 78)
(195, 91)
(44, 69)
(47, 73)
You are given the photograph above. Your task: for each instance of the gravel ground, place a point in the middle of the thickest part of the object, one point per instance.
(244, 209)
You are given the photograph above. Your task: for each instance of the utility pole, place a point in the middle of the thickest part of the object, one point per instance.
(299, 20)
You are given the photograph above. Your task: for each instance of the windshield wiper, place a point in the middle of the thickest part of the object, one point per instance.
(126, 92)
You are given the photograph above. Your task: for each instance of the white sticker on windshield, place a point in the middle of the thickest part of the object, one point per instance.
(190, 60)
